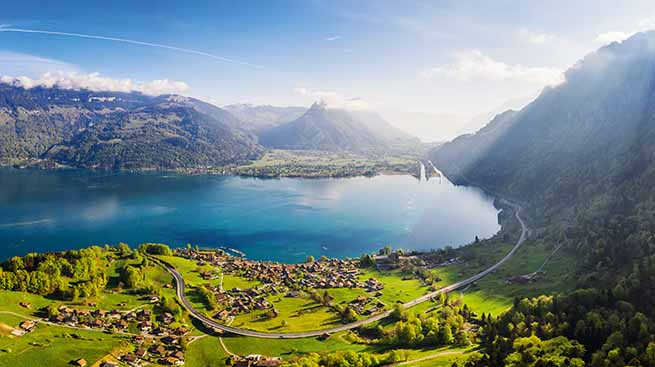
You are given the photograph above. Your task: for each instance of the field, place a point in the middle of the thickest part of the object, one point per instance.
(289, 347)
(290, 163)
(54, 346)
(205, 352)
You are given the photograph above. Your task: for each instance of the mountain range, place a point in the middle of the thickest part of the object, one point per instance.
(135, 131)
(118, 130)
(256, 118)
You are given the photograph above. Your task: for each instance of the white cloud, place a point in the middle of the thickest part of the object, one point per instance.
(612, 36)
(333, 99)
(96, 82)
(535, 38)
(474, 66)
(621, 35)
(332, 38)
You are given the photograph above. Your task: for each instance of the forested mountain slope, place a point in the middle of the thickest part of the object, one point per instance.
(118, 130)
(581, 152)
(581, 158)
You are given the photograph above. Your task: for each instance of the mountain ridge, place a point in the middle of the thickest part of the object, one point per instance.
(118, 130)
(579, 155)
(331, 129)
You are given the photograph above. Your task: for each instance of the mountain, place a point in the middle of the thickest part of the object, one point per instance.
(580, 156)
(477, 122)
(256, 118)
(581, 160)
(322, 128)
(118, 130)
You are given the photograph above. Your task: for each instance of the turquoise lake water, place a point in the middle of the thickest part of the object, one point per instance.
(273, 219)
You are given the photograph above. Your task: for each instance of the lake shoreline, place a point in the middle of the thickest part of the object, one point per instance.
(230, 170)
(283, 219)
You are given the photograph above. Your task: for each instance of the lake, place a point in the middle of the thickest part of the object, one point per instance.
(274, 219)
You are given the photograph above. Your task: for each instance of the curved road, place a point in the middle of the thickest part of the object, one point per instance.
(179, 281)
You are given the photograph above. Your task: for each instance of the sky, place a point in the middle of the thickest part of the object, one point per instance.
(434, 68)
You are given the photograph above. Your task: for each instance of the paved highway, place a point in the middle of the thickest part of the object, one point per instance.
(179, 281)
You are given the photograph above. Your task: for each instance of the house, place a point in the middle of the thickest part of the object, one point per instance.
(181, 331)
(171, 361)
(109, 364)
(80, 362)
(166, 318)
(140, 352)
(130, 359)
(222, 315)
(158, 350)
(269, 362)
(25, 304)
(169, 340)
(28, 325)
(18, 332)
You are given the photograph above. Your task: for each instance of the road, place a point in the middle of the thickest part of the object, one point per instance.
(179, 282)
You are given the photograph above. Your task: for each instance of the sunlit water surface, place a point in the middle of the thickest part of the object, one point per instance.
(274, 219)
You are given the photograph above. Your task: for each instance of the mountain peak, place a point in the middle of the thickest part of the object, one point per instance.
(319, 106)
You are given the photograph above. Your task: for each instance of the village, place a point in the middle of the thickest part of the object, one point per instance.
(154, 338)
(288, 280)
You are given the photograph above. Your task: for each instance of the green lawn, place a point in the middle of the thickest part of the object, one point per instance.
(395, 288)
(232, 281)
(445, 360)
(205, 352)
(493, 295)
(300, 314)
(54, 346)
(188, 269)
(286, 348)
(11, 300)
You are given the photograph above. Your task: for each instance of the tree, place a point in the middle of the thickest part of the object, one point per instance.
(447, 335)
(53, 310)
(349, 315)
(366, 261)
(124, 250)
(310, 259)
(397, 355)
(462, 339)
(16, 264)
(399, 312)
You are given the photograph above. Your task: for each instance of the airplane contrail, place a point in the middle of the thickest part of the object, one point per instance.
(134, 42)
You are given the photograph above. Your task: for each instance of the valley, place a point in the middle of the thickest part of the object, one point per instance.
(299, 184)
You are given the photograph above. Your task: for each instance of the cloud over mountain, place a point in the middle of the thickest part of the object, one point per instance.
(474, 66)
(96, 82)
(333, 99)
